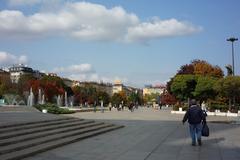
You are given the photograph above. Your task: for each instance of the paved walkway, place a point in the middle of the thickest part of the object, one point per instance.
(150, 135)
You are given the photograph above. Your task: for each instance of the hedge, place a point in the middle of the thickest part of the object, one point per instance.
(52, 108)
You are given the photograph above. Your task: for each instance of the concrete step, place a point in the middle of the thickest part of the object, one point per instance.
(22, 138)
(47, 139)
(41, 129)
(15, 108)
(26, 152)
(36, 122)
(35, 125)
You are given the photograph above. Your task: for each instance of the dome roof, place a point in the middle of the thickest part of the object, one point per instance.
(117, 82)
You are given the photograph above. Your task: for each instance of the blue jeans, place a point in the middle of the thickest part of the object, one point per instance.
(195, 131)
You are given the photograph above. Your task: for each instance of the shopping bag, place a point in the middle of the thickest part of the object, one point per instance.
(205, 130)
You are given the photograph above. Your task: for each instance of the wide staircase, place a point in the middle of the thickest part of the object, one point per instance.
(18, 141)
(17, 109)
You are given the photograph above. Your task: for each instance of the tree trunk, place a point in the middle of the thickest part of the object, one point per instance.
(234, 102)
(229, 104)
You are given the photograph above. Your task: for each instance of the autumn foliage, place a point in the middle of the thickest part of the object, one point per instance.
(201, 67)
(50, 86)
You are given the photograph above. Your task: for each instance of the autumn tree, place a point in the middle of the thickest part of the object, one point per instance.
(80, 96)
(186, 69)
(167, 99)
(200, 67)
(52, 86)
(194, 80)
(5, 85)
(205, 69)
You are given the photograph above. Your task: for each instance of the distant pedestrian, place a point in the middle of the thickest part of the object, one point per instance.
(195, 117)
(131, 107)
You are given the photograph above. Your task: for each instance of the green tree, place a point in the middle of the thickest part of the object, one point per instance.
(135, 98)
(150, 98)
(119, 98)
(229, 70)
(183, 86)
(229, 87)
(204, 88)
(103, 96)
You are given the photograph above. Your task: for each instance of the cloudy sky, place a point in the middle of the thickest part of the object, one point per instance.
(137, 41)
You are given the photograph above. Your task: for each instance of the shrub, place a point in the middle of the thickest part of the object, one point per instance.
(221, 107)
(52, 108)
(183, 106)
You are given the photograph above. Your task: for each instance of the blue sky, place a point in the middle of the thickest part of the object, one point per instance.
(137, 41)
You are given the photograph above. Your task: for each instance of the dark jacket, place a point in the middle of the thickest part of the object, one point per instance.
(194, 115)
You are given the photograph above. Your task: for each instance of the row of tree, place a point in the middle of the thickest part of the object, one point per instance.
(206, 83)
(53, 86)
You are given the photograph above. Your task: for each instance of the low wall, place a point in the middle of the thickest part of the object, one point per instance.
(228, 114)
(85, 109)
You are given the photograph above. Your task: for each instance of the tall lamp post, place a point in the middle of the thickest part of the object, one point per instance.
(232, 39)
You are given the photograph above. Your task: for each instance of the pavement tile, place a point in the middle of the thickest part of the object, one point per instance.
(148, 135)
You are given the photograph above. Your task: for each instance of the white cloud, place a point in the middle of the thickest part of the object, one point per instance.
(23, 2)
(85, 72)
(89, 21)
(76, 69)
(33, 2)
(7, 59)
(160, 28)
(23, 59)
(82, 72)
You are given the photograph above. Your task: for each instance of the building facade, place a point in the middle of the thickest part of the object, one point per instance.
(17, 71)
(149, 89)
(118, 87)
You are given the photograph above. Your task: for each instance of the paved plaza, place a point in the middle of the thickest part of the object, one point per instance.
(148, 135)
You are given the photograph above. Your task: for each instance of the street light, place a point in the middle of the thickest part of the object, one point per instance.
(232, 39)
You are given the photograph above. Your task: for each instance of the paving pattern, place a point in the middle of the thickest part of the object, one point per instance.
(150, 135)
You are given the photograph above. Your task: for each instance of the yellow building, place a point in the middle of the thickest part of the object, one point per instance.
(149, 89)
(117, 87)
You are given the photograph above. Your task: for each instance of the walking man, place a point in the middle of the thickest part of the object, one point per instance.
(195, 116)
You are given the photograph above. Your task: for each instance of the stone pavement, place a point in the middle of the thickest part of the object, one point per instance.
(150, 135)
(11, 117)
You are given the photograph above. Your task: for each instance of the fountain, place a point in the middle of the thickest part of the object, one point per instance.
(39, 96)
(59, 101)
(43, 99)
(30, 98)
(102, 108)
(66, 100)
(71, 100)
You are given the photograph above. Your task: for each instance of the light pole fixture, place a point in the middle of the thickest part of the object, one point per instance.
(232, 39)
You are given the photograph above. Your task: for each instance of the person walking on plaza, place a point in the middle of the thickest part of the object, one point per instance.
(195, 117)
